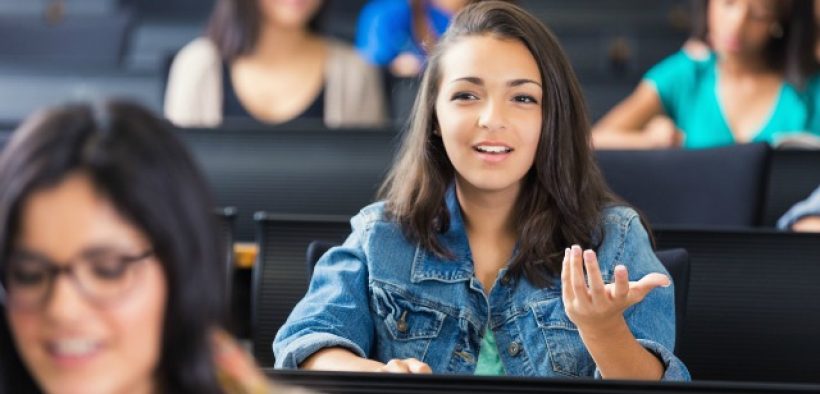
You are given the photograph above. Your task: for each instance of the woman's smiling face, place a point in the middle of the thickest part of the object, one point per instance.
(489, 111)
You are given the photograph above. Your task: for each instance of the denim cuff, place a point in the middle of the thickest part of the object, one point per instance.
(807, 207)
(673, 368)
(303, 347)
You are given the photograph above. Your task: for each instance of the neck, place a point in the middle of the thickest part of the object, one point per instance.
(147, 387)
(276, 43)
(487, 213)
(741, 67)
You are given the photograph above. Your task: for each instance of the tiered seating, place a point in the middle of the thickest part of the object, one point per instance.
(306, 171)
(753, 312)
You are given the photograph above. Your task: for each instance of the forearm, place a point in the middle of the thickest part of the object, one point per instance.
(618, 354)
(807, 224)
(339, 359)
(620, 139)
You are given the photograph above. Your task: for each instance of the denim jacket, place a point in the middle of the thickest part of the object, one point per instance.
(383, 297)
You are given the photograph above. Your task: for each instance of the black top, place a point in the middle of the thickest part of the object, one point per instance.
(232, 108)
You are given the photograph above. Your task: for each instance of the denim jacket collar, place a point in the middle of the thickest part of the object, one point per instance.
(428, 266)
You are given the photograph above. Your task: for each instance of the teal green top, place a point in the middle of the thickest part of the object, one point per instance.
(489, 362)
(688, 91)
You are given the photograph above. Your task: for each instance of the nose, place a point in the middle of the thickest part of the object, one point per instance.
(64, 303)
(493, 116)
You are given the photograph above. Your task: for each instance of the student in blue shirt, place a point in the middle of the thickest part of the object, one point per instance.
(803, 216)
(755, 81)
(398, 33)
(475, 261)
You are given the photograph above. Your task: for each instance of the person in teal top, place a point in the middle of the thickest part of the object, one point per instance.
(748, 75)
(688, 86)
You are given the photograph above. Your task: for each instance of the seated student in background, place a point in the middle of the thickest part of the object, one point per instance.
(111, 270)
(755, 81)
(804, 216)
(397, 34)
(264, 60)
(474, 263)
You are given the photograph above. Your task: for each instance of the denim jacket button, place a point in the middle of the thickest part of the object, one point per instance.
(514, 349)
(401, 325)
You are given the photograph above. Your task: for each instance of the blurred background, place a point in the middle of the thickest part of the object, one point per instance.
(52, 51)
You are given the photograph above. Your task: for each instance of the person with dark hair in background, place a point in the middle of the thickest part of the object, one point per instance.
(398, 34)
(265, 60)
(750, 76)
(474, 261)
(111, 273)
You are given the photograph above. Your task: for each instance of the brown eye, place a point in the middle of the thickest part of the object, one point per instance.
(525, 99)
(464, 97)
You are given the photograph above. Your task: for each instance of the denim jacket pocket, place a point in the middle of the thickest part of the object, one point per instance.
(567, 353)
(405, 325)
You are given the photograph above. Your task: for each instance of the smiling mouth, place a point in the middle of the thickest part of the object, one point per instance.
(73, 348)
(492, 149)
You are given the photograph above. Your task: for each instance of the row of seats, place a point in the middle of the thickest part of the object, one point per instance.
(747, 285)
(337, 172)
(361, 383)
(131, 43)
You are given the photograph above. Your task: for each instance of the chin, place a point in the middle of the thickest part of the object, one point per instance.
(82, 386)
(491, 184)
(87, 382)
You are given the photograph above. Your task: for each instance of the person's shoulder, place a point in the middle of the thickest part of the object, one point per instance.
(386, 8)
(200, 50)
(691, 60)
(682, 60)
(697, 51)
(376, 227)
(373, 213)
(337, 47)
(345, 58)
(618, 214)
(812, 84)
(342, 51)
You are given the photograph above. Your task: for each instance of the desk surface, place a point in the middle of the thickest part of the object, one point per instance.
(343, 382)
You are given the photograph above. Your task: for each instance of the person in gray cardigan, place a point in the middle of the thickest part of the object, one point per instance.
(804, 216)
(267, 61)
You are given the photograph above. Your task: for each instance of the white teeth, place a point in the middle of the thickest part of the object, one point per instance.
(74, 347)
(493, 149)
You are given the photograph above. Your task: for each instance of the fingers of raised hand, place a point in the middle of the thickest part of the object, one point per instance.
(576, 268)
(639, 290)
(566, 286)
(594, 278)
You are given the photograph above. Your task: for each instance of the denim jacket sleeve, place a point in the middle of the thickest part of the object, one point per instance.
(335, 310)
(652, 321)
(807, 207)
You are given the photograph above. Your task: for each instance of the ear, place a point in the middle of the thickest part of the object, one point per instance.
(776, 30)
(436, 127)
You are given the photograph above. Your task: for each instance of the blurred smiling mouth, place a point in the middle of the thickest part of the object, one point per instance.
(68, 350)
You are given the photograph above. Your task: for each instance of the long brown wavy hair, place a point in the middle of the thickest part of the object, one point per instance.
(562, 195)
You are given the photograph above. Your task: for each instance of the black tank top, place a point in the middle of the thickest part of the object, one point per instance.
(232, 108)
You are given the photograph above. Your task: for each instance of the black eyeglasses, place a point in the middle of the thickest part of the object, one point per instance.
(101, 276)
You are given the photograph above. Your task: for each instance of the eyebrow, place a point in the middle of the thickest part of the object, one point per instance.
(512, 83)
